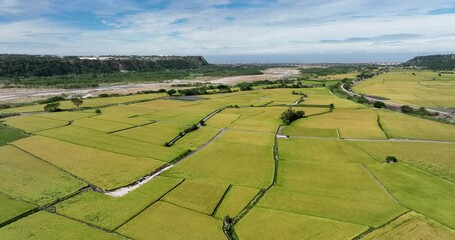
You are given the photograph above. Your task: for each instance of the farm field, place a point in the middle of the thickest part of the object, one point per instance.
(240, 158)
(410, 226)
(412, 87)
(109, 175)
(403, 126)
(110, 212)
(9, 134)
(44, 225)
(32, 180)
(11, 208)
(95, 166)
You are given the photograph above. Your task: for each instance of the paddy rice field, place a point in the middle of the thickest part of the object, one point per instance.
(324, 177)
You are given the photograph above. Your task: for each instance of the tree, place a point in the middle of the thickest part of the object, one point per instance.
(379, 104)
(77, 101)
(391, 159)
(290, 116)
(52, 107)
(171, 92)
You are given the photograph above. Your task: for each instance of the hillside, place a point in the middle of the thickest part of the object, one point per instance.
(433, 62)
(46, 66)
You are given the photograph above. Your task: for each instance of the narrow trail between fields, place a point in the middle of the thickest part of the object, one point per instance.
(120, 192)
(380, 184)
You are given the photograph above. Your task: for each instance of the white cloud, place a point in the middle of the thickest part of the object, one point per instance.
(285, 27)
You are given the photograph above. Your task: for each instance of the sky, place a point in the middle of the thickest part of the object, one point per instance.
(232, 31)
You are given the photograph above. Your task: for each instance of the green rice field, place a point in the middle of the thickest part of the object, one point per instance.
(241, 174)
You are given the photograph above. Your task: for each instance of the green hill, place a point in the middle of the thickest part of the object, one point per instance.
(433, 62)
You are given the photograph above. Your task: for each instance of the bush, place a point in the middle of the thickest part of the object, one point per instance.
(53, 99)
(406, 109)
(290, 116)
(191, 128)
(171, 92)
(391, 159)
(379, 104)
(52, 107)
(98, 111)
(362, 100)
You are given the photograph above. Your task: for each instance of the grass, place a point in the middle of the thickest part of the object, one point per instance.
(418, 190)
(235, 201)
(256, 119)
(31, 180)
(9, 134)
(11, 208)
(200, 196)
(44, 225)
(399, 125)
(425, 88)
(412, 226)
(32, 124)
(166, 221)
(110, 212)
(263, 223)
(433, 157)
(112, 143)
(104, 169)
(240, 158)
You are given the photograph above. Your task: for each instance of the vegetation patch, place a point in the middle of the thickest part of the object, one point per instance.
(30, 179)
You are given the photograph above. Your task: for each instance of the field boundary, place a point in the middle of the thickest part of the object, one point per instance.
(380, 184)
(149, 205)
(228, 189)
(378, 120)
(89, 184)
(198, 125)
(372, 229)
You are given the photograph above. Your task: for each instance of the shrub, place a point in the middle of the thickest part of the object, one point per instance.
(290, 116)
(362, 100)
(98, 111)
(171, 92)
(53, 99)
(391, 159)
(406, 109)
(52, 107)
(191, 128)
(379, 104)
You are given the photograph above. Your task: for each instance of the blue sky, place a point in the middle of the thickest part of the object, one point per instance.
(231, 30)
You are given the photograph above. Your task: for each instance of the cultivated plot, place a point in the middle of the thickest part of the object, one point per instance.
(44, 225)
(237, 157)
(110, 212)
(30, 179)
(103, 169)
(167, 221)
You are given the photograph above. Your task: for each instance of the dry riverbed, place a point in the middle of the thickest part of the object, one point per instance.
(17, 95)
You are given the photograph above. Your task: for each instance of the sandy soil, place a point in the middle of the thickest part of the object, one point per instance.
(16, 95)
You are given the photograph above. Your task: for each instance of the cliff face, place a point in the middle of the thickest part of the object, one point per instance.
(433, 62)
(45, 66)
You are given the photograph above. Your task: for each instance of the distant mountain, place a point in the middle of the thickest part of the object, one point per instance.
(433, 62)
(46, 66)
